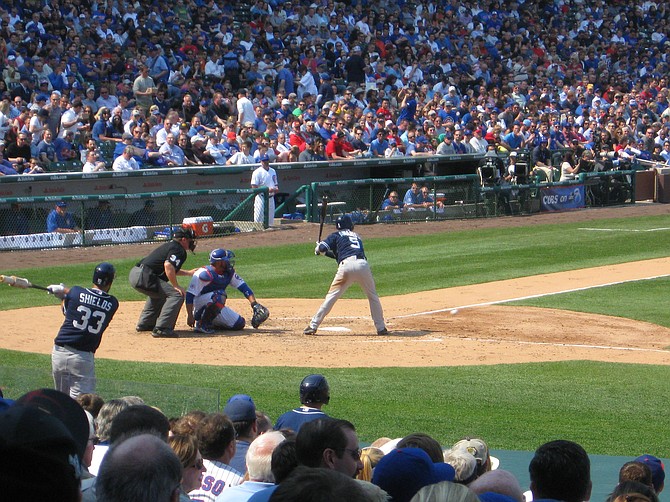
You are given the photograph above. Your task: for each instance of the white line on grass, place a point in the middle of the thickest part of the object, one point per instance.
(529, 297)
(625, 229)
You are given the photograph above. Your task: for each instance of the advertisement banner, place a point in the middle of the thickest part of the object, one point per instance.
(562, 198)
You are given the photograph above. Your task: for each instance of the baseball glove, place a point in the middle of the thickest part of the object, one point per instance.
(261, 314)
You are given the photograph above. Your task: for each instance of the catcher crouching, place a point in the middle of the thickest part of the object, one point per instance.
(206, 296)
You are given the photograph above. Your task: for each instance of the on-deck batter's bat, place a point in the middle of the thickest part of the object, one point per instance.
(324, 208)
(19, 282)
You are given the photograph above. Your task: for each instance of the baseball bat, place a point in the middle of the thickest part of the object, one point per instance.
(372, 217)
(324, 208)
(19, 282)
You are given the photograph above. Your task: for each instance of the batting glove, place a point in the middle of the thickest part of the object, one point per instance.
(317, 249)
(58, 290)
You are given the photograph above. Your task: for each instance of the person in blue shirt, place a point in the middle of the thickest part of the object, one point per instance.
(314, 394)
(412, 195)
(393, 203)
(346, 247)
(379, 145)
(407, 106)
(60, 220)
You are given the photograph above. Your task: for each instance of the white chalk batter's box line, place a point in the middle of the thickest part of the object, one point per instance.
(529, 297)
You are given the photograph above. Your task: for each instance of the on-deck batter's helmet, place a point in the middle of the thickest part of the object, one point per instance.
(314, 389)
(222, 255)
(344, 222)
(104, 274)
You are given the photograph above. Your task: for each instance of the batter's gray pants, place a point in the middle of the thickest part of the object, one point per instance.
(162, 307)
(352, 271)
(73, 371)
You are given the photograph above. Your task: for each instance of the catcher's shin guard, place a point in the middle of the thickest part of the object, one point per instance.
(209, 313)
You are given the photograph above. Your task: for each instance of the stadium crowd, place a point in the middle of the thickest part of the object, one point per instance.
(200, 82)
(123, 450)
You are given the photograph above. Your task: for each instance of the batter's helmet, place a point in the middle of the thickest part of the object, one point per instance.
(344, 222)
(104, 274)
(314, 389)
(222, 255)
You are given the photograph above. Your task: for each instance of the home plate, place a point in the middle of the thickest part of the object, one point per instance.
(339, 329)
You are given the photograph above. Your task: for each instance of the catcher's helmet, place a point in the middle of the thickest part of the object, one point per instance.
(344, 222)
(222, 255)
(104, 274)
(314, 389)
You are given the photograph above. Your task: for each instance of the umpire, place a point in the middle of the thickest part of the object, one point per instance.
(156, 277)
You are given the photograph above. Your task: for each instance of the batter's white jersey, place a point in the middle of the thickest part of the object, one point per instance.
(264, 178)
(216, 478)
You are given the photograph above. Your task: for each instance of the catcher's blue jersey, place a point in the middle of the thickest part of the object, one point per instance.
(88, 312)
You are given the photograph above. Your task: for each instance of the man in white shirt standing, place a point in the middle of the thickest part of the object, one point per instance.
(265, 176)
(245, 108)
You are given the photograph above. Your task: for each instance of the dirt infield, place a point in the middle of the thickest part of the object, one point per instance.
(423, 330)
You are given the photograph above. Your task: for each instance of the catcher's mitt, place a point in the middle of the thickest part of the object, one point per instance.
(261, 314)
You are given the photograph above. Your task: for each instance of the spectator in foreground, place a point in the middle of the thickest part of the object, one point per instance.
(138, 469)
(241, 409)
(329, 443)
(216, 437)
(560, 470)
(185, 447)
(259, 457)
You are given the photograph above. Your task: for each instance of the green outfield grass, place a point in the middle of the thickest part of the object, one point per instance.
(609, 408)
(616, 409)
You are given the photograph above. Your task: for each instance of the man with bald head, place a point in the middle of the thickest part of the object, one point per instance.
(259, 458)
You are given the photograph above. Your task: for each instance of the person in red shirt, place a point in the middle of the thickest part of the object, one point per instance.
(297, 137)
(338, 148)
(385, 110)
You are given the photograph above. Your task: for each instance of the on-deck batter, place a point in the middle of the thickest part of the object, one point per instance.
(346, 247)
(88, 312)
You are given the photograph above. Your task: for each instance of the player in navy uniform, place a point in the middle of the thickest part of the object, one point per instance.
(314, 393)
(206, 294)
(156, 277)
(88, 312)
(346, 247)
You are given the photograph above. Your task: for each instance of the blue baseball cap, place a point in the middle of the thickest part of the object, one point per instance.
(657, 470)
(265, 158)
(61, 204)
(403, 472)
(240, 407)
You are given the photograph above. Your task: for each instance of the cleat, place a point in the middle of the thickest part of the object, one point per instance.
(309, 331)
(164, 333)
(383, 332)
(139, 328)
(201, 327)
